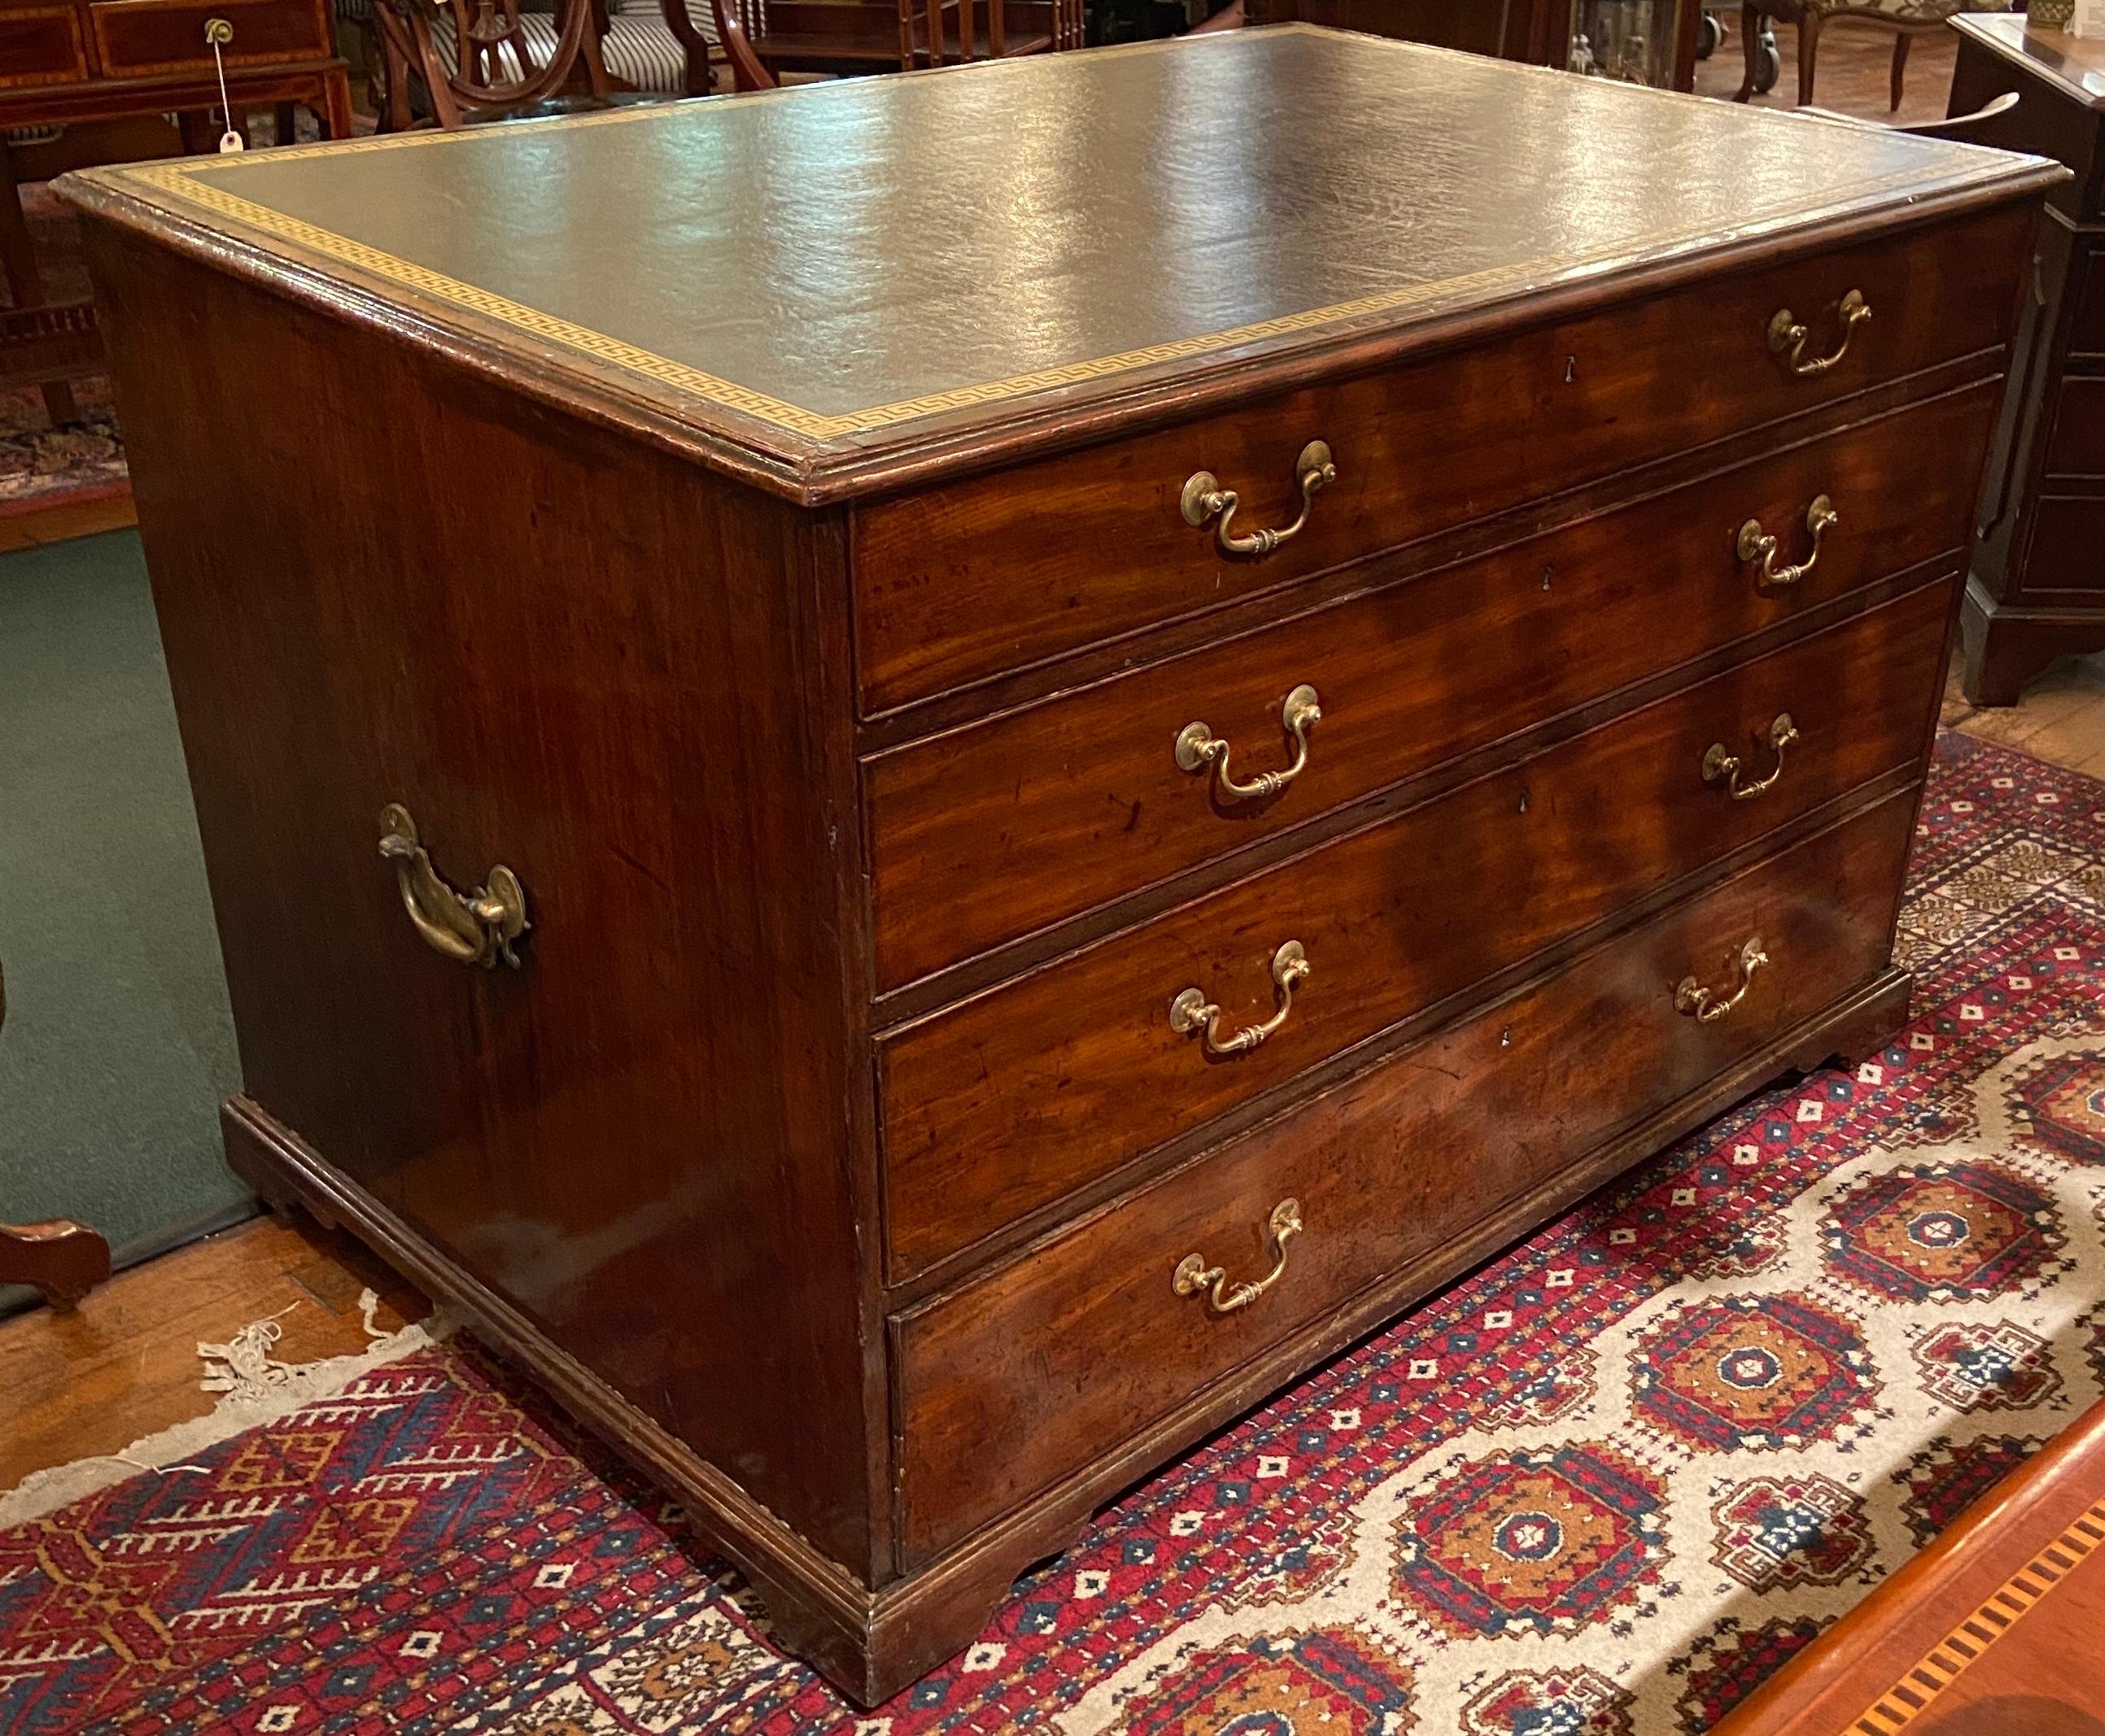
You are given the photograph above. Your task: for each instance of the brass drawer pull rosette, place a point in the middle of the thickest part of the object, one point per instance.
(1787, 337)
(477, 928)
(1193, 1277)
(1721, 767)
(1706, 1006)
(1204, 498)
(1197, 747)
(1192, 1011)
(1756, 545)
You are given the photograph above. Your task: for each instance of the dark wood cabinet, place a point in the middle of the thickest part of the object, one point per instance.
(2037, 589)
(1539, 33)
(1016, 818)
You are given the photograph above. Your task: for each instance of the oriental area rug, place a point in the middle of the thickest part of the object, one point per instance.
(1606, 1484)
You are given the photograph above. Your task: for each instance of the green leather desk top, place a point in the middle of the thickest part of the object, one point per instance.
(823, 280)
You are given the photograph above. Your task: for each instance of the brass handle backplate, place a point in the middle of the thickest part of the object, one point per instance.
(1197, 747)
(477, 929)
(1193, 1277)
(1721, 767)
(1204, 498)
(1192, 1011)
(218, 32)
(1755, 545)
(1706, 1006)
(1787, 337)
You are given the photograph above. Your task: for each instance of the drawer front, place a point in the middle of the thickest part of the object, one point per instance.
(141, 37)
(2078, 446)
(2068, 548)
(964, 581)
(1008, 1101)
(1027, 1374)
(987, 833)
(2087, 336)
(41, 44)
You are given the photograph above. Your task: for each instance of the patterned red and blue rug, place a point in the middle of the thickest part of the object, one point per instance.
(1605, 1485)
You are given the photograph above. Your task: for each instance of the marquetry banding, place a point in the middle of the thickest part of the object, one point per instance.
(1945, 1661)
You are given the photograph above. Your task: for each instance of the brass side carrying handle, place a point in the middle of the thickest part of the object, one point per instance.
(1192, 1011)
(1204, 498)
(1754, 545)
(1197, 747)
(1193, 1276)
(1704, 1004)
(1787, 337)
(478, 929)
(1721, 767)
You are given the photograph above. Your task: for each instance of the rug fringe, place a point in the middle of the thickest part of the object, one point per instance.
(254, 1389)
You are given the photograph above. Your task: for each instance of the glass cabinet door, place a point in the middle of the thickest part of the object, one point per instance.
(1632, 40)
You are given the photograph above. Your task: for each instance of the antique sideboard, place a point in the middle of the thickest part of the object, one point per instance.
(921, 807)
(64, 62)
(2037, 591)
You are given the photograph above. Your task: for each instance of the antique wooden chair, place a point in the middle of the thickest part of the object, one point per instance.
(870, 36)
(494, 60)
(1906, 18)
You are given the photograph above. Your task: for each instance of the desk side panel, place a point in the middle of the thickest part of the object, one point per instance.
(382, 580)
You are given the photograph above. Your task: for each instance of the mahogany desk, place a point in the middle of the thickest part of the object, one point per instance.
(1043, 785)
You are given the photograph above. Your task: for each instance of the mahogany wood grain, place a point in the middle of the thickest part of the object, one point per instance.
(41, 44)
(1385, 1169)
(981, 835)
(965, 582)
(140, 38)
(605, 1135)
(1017, 1097)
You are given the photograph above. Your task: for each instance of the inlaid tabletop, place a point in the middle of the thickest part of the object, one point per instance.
(839, 268)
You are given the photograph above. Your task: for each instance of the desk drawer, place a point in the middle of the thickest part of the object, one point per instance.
(1008, 1101)
(137, 38)
(964, 581)
(987, 833)
(1023, 1376)
(41, 44)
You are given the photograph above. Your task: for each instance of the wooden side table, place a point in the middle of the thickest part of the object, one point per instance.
(1993, 1631)
(2037, 589)
(66, 61)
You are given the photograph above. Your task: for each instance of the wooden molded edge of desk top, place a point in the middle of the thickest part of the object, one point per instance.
(816, 472)
(1840, 1676)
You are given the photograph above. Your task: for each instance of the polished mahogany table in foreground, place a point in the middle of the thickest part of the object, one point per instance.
(953, 770)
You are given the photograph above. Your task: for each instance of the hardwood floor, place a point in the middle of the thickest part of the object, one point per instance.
(1856, 65)
(124, 1364)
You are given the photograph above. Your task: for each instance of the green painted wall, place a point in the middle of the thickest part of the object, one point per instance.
(119, 1044)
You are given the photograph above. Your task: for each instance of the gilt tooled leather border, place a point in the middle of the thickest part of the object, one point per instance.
(176, 181)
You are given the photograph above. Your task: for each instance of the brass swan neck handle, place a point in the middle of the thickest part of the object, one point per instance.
(1755, 545)
(1787, 337)
(1706, 1005)
(1197, 747)
(1192, 1011)
(1204, 498)
(477, 928)
(1721, 767)
(1193, 1277)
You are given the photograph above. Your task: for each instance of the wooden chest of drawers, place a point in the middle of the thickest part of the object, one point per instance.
(920, 819)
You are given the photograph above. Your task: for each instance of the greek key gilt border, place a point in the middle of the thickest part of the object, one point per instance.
(175, 186)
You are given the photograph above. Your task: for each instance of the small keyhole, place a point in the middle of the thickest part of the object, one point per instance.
(1505, 1037)
(1523, 801)
(1571, 369)
(1546, 573)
